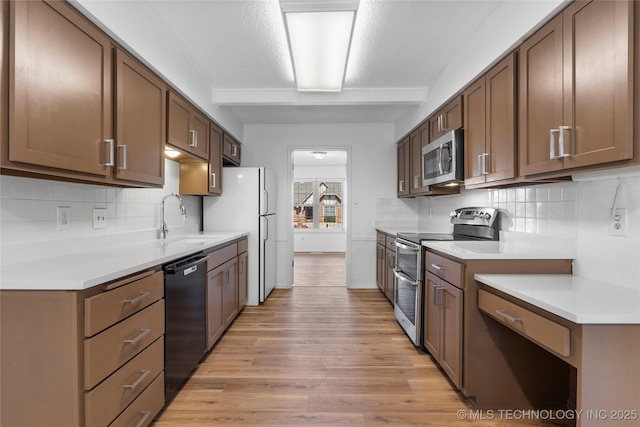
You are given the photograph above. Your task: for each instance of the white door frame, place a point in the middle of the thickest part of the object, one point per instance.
(345, 204)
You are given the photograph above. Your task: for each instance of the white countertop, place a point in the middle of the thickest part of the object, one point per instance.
(95, 264)
(466, 250)
(577, 299)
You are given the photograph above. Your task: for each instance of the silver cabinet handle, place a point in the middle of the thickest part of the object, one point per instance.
(137, 299)
(225, 277)
(234, 150)
(438, 296)
(401, 187)
(196, 139)
(482, 159)
(124, 157)
(444, 122)
(111, 161)
(561, 131)
(136, 383)
(437, 267)
(416, 181)
(213, 180)
(552, 144)
(142, 334)
(511, 319)
(143, 418)
(192, 138)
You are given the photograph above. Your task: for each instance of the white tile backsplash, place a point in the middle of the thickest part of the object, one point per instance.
(28, 208)
(572, 213)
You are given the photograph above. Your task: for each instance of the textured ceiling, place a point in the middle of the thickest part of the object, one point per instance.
(238, 49)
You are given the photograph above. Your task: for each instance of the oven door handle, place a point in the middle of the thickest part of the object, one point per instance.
(407, 247)
(403, 277)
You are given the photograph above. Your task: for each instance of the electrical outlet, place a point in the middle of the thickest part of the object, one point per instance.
(99, 218)
(618, 223)
(64, 217)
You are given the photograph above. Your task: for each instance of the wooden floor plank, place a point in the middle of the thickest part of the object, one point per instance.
(320, 356)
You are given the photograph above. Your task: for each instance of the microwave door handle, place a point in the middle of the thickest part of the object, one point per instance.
(440, 151)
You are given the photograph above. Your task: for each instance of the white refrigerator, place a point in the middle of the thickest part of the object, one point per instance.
(248, 202)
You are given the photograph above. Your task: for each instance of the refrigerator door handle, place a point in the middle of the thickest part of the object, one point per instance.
(266, 237)
(265, 208)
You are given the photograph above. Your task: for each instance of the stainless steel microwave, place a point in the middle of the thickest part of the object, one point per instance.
(443, 160)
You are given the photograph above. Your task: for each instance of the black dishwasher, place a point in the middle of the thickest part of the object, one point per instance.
(185, 283)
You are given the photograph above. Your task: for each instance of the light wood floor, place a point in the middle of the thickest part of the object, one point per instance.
(318, 356)
(319, 269)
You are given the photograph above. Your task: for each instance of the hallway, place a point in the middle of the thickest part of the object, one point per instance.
(319, 269)
(318, 356)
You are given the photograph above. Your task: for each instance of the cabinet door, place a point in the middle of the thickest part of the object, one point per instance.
(475, 132)
(200, 139)
(380, 267)
(500, 121)
(140, 122)
(215, 320)
(389, 289)
(418, 140)
(243, 282)
(446, 119)
(230, 291)
(403, 167)
(179, 122)
(451, 332)
(215, 160)
(231, 151)
(598, 76)
(432, 323)
(540, 97)
(61, 100)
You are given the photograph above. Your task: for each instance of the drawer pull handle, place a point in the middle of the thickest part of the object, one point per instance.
(143, 418)
(437, 267)
(512, 319)
(142, 334)
(136, 300)
(136, 383)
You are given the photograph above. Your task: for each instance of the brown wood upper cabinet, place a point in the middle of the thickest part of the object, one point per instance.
(489, 125)
(231, 151)
(418, 139)
(187, 129)
(404, 167)
(575, 89)
(60, 103)
(140, 122)
(201, 178)
(446, 119)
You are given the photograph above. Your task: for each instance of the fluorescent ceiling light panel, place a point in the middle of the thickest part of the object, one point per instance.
(319, 43)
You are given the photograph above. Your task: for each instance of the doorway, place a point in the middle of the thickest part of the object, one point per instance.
(319, 213)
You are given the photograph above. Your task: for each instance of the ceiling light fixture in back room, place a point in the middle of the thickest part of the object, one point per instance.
(319, 35)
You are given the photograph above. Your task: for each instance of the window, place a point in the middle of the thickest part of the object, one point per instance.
(317, 204)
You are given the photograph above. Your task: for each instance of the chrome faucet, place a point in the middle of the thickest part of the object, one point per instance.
(183, 210)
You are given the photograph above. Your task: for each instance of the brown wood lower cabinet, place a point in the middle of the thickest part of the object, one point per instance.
(462, 339)
(83, 358)
(226, 288)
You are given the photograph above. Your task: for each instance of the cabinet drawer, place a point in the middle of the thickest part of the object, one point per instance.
(391, 242)
(243, 246)
(381, 238)
(142, 411)
(444, 268)
(107, 400)
(105, 309)
(222, 255)
(107, 351)
(537, 328)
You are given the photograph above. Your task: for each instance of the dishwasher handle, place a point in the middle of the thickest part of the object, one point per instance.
(188, 265)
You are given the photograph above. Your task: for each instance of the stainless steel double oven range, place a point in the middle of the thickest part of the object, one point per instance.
(480, 224)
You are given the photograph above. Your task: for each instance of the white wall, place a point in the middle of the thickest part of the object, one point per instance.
(320, 240)
(373, 175)
(514, 19)
(28, 209)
